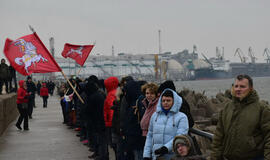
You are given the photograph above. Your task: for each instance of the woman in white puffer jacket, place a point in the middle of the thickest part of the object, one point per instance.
(166, 123)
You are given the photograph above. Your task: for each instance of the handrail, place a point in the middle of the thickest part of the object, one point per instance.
(202, 133)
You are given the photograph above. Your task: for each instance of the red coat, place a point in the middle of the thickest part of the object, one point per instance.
(111, 85)
(44, 91)
(22, 93)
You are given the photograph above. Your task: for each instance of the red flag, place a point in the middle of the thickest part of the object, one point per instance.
(29, 55)
(77, 52)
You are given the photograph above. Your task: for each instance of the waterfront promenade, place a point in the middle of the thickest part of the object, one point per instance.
(47, 139)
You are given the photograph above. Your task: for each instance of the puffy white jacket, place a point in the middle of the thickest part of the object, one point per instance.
(163, 128)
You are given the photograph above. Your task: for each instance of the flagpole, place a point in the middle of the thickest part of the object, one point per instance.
(79, 71)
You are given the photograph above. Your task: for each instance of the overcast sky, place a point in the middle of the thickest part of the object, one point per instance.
(131, 26)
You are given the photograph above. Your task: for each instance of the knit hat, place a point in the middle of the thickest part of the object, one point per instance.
(181, 141)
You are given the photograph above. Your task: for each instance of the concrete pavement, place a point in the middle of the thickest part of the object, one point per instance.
(47, 139)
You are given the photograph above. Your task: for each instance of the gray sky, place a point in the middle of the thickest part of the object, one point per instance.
(132, 25)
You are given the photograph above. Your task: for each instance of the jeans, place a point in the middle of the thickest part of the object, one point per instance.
(23, 116)
(30, 106)
(45, 101)
(138, 154)
(258, 158)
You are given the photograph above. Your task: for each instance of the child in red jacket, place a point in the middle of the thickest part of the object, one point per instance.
(44, 93)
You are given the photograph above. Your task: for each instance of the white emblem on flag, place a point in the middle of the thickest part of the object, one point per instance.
(30, 54)
(78, 51)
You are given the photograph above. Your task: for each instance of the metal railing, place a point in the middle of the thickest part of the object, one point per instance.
(201, 133)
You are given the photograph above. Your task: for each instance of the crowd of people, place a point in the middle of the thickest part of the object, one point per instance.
(137, 119)
(141, 120)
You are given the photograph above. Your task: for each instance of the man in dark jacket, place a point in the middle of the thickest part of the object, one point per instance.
(31, 89)
(4, 75)
(243, 129)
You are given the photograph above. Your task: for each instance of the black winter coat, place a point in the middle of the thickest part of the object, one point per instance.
(130, 127)
(95, 103)
(31, 87)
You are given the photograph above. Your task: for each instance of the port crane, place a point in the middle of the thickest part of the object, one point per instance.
(251, 55)
(241, 55)
(267, 53)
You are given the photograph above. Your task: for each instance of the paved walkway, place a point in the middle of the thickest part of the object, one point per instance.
(47, 139)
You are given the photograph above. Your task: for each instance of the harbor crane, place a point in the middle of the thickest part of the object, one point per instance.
(267, 53)
(251, 55)
(241, 55)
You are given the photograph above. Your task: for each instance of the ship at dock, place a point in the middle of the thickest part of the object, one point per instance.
(203, 69)
(216, 67)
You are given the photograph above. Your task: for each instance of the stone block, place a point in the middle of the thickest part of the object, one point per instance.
(8, 110)
(1, 110)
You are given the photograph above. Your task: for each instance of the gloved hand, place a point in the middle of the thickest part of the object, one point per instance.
(161, 151)
(146, 158)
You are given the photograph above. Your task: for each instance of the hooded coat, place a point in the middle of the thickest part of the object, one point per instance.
(131, 126)
(22, 95)
(111, 85)
(192, 154)
(93, 108)
(243, 130)
(163, 128)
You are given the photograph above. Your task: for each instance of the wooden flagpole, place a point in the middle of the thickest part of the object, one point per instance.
(79, 71)
(73, 87)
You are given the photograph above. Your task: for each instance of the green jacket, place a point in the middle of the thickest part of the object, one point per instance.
(243, 130)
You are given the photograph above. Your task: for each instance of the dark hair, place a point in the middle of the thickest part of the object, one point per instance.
(165, 85)
(168, 93)
(125, 80)
(245, 76)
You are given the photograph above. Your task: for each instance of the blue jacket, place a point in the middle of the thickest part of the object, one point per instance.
(163, 128)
